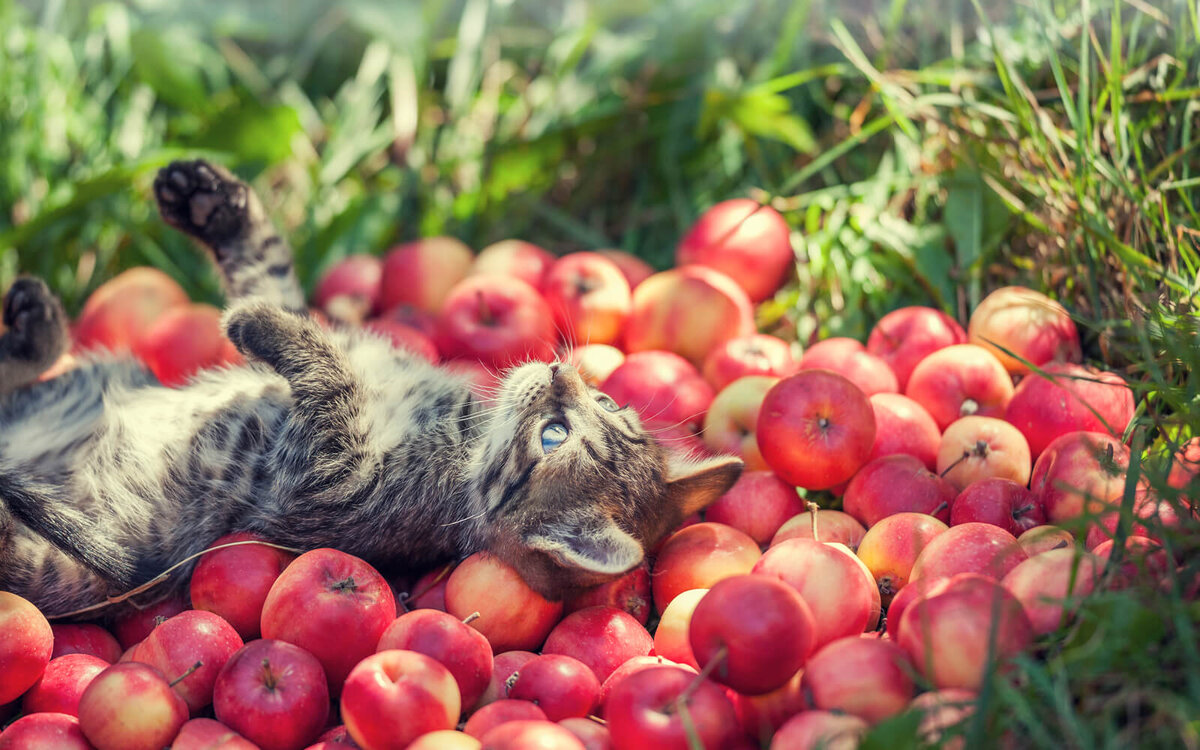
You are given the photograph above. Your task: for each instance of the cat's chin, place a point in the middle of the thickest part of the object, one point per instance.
(553, 578)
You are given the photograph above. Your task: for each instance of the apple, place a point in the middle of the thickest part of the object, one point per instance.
(512, 616)
(85, 639)
(903, 426)
(233, 582)
(133, 624)
(730, 426)
(499, 320)
(758, 503)
(998, 501)
(419, 274)
(595, 362)
(815, 429)
(209, 734)
(892, 545)
(629, 593)
(904, 337)
(562, 686)
(331, 604)
(458, 647)
(62, 683)
(501, 712)
(530, 735)
(975, 448)
(334, 738)
(427, 592)
(745, 239)
(911, 592)
(1144, 563)
(395, 696)
(1080, 474)
(184, 340)
(1050, 584)
(698, 556)
(26, 647)
(637, 664)
(130, 706)
(820, 730)
(1066, 397)
(762, 715)
(349, 291)
(405, 337)
(940, 710)
(1040, 539)
(850, 359)
(1028, 324)
(689, 310)
(896, 484)
(589, 296)
(756, 630)
(671, 640)
(1151, 517)
(645, 711)
(44, 731)
(445, 739)
(830, 526)
(504, 670)
(423, 321)
(592, 734)
(864, 677)
(122, 309)
(634, 268)
(951, 634)
(273, 693)
(755, 354)
(960, 381)
(969, 548)
(1185, 465)
(663, 388)
(516, 258)
(601, 637)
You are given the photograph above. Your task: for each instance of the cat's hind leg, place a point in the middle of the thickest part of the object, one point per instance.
(209, 204)
(36, 335)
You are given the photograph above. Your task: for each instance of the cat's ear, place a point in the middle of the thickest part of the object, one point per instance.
(605, 549)
(693, 485)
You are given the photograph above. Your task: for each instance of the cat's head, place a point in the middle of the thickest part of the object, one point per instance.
(576, 489)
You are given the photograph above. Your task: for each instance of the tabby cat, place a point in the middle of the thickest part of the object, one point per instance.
(327, 438)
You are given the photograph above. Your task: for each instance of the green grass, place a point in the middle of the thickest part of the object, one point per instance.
(922, 152)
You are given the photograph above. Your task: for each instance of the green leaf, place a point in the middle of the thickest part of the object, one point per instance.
(758, 112)
(256, 133)
(172, 64)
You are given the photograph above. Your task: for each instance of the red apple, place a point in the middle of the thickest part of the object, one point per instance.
(458, 647)
(1028, 324)
(1143, 564)
(393, 697)
(589, 296)
(122, 309)
(62, 683)
(405, 337)
(815, 429)
(512, 616)
(349, 290)
(1050, 584)
(233, 582)
(664, 388)
(951, 634)
(209, 734)
(504, 670)
(629, 593)
(820, 730)
(85, 639)
(516, 258)
(998, 501)
(891, 546)
(274, 694)
(25, 648)
(44, 731)
(688, 310)
(530, 735)
(851, 360)
(1040, 539)
(671, 640)
(499, 320)
(755, 354)
(634, 268)
(637, 664)
(595, 362)
(831, 526)
(960, 381)
(334, 738)
(941, 710)
(730, 426)
(560, 685)
(904, 337)
(326, 593)
(1066, 397)
(762, 715)
(903, 426)
(1080, 473)
(698, 556)
(445, 739)
(976, 448)
(501, 712)
(645, 711)
(969, 548)
(130, 706)
(864, 677)
(427, 592)
(184, 340)
(591, 733)
(897, 484)
(1185, 465)
(601, 637)
(420, 273)
(758, 503)
(745, 239)
(134, 624)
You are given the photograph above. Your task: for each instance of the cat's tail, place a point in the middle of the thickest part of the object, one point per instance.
(65, 529)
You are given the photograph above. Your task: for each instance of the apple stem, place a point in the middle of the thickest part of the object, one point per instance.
(597, 719)
(485, 314)
(950, 468)
(347, 584)
(186, 674)
(981, 449)
(471, 618)
(717, 659)
(812, 512)
(943, 505)
(269, 678)
(1017, 513)
(406, 597)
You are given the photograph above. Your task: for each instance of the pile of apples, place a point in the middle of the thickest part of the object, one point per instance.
(979, 474)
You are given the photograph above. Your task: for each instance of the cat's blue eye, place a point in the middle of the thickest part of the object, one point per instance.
(606, 402)
(553, 435)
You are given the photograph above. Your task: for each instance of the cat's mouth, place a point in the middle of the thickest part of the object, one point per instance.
(525, 384)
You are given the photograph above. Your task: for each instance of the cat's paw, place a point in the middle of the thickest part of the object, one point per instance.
(261, 330)
(35, 319)
(202, 200)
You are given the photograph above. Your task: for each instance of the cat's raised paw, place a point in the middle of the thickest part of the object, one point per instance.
(35, 318)
(202, 200)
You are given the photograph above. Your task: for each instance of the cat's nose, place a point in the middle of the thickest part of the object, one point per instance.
(554, 368)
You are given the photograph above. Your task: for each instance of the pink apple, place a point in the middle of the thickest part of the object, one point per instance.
(1185, 465)
(960, 381)
(730, 426)
(130, 706)
(405, 337)
(26, 647)
(998, 501)
(830, 526)
(1144, 563)
(445, 739)
(904, 337)
(815, 429)
(501, 712)
(272, 693)
(512, 616)
(1066, 397)
(233, 582)
(698, 556)
(1050, 584)
(560, 685)
(629, 593)
(458, 647)
(44, 731)
(975, 448)
(1041, 539)
(516, 258)
(61, 684)
(896, 484)
(349, 291)
(891, 546)
(499, 320)
(644, 711)
(689, 310)
(209, 734)
(590, 298)
(1026, 323)
(663, 388)
(427, 592)
(122, 309)
(1080, 474)
(420, 274)
(940, 710)
(132, 626)
(903, 426)
(637, 664)
(671, 640)
(969, 548)
(183, 341)
(761, 716)
(505, 666)
(634, 268)
(395, 696)
(85, 639)
(864, 677)
(592, 734)
(603, 638)
(850, 359)
(530, 735)
(824, 730)
(758, 503)
(745, 239)
(756, 354)
(595, 362)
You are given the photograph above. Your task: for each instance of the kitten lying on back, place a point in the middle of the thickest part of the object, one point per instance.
(327, 438)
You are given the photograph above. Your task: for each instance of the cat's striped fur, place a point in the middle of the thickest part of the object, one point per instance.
(327, 438)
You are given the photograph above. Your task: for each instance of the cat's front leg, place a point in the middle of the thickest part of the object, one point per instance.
(36, 335)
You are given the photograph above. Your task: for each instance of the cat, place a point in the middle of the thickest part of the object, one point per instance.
(325, 438)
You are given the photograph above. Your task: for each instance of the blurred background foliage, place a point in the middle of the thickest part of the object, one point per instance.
(923, 152)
